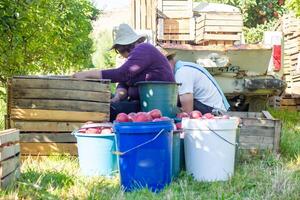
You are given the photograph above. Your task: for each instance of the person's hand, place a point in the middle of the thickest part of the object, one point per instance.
(91, 74)
(115, 99)
(79, 75)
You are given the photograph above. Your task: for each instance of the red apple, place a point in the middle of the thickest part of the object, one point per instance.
(208, 116)
(142, 117)
(155, 113)
(92, 130)
(178, 126)
(182, 115)
(89, 122)
(156, 120)
(225, 117)
(82, 130)
(165, 119)
(122, 117)
(106, 130)
(195, 114)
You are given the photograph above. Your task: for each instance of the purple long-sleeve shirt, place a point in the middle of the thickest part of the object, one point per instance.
(144, 63)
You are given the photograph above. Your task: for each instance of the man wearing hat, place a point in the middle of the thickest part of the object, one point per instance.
(198, 90)
(144, 63)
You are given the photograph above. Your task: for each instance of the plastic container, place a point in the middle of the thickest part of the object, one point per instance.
(95, 154)
(210, 147)
(159, 95)
(145, 154)
(176, 154)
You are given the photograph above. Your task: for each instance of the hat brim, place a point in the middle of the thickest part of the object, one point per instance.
(129, 41)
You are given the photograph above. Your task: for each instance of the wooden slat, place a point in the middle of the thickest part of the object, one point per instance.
(256, 131)
(258, 122)
(47, 137)
(9, 151)
(149, 14)
(57, 115)
(288, 102)
(178, 14)
(255, 146)
(61, 84)
(277, 136)
(9, 165)
(175, 3)
(222, 16)
(215, 22)
(8, 180)
(41, 126)
(229, 29)
(44, 149)
(179, 37)
(138, 14)
(67, 105)
(256, 140)
(10, 135)
(221, 37)
(132, 13)
(143, 14)
(25, 93)
(175, 8)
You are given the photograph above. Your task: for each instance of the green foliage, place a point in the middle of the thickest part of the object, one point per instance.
(294, 5)
(48, 37)
(255, 34)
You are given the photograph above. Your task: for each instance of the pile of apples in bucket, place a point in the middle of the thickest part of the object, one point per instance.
(96, 128)
(151, 116)
(198, 115)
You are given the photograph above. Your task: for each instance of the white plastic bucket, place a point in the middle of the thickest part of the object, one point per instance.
(210, 147)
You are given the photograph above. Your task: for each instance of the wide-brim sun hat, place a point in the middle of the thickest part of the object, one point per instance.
(124, 35)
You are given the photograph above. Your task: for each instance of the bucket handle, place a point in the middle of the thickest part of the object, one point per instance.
(138, 146)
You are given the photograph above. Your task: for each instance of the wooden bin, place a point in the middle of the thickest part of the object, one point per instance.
(222, 28)
(176, 29)
(259, 130)
(48, 109)
(9, 156)
(175, 8)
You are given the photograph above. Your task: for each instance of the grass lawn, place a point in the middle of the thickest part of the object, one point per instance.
(263, 176)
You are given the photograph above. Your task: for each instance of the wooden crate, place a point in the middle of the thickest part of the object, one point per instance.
(220, 28)
(47, 109)
(259, 130)
(175, 8)
(9, 156)
(176, 29)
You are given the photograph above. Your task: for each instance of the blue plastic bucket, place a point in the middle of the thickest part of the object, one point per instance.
(145, 154)
(95, 154)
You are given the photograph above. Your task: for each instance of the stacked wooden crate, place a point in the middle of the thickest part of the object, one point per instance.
(215, 28)
(259, 131)
(9, 156)
(175, 21)
(286, 102)
(291, 54)
(48, 109)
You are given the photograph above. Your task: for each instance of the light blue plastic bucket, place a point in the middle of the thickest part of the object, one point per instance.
(95, 154)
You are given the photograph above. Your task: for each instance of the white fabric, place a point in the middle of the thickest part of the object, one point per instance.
(200, 86)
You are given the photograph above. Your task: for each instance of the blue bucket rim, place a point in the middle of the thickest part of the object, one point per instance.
(143, 123)
(93, 135)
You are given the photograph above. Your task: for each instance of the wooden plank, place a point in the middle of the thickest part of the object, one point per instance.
(178, 14)
(138, 14)
(175, 8)
(267, 115)
(255, 146)
(160, 29)
(8, 136)
(256, 140)
(154, 20)
(61, 84)
(221, 37)
(277, 136)
(48, 137)
(288, 102)
(57, 115)
(143, 14)
(223, 16)
(148, 15)
(25, 93)
(41, 126)
(238, 23)
(9, 179)
(180, 37)
(67, 105)
(229, 29)
(9, 165)
(44, 149)
(132, 13)
(257, 131)
(175, 3)
(9, 151)
(258, 122)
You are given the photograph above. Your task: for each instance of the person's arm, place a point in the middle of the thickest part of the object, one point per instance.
(187, 102)
(91, 74)
(121, 93)
(139, 59)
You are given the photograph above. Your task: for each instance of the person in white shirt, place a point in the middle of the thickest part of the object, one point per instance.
(198, 90)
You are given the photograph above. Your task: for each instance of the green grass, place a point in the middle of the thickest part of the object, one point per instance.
(263, 176)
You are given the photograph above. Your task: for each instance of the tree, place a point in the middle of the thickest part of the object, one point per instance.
(295, 6)
(48, 37)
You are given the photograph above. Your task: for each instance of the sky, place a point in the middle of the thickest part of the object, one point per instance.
(110, 4)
